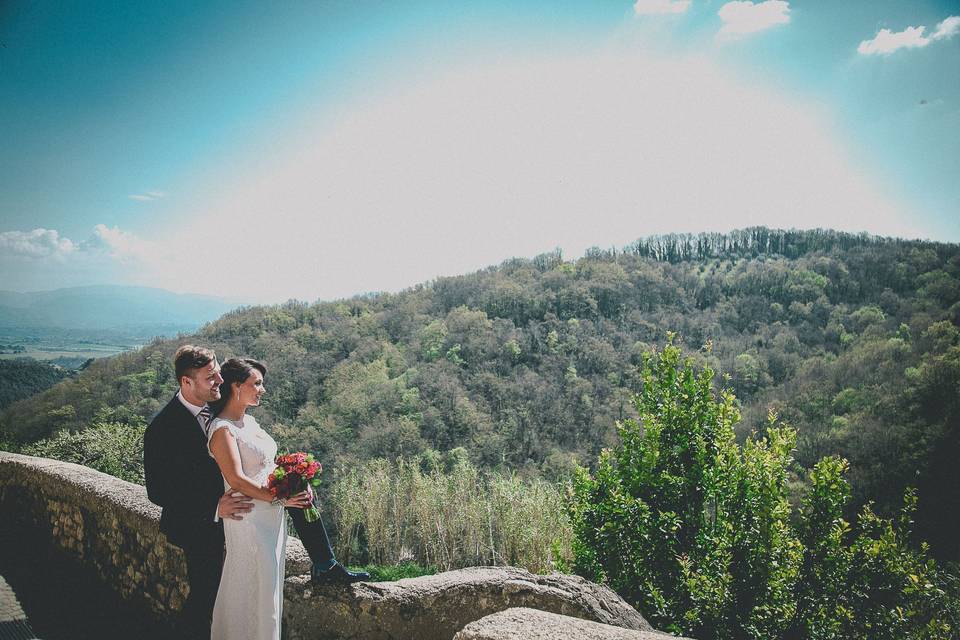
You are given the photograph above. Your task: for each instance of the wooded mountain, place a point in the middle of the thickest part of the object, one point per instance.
(852, 339)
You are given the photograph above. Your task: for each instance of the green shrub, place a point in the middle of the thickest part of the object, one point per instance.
(111, 447)
(697, 532)
(869, 583)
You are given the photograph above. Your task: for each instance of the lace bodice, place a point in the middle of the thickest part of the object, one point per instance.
(257, 449)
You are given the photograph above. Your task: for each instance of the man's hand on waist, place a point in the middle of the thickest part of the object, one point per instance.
(233, 505)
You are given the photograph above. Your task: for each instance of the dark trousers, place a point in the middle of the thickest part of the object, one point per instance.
(314, 537)
(204, 567)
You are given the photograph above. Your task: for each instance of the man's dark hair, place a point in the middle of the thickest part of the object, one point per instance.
(189, 358)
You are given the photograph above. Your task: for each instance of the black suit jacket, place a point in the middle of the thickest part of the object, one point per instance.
(183, 479)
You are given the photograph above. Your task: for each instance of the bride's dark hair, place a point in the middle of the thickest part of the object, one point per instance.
(234, 370)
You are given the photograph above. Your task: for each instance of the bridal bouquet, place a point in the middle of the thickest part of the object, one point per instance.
(295, 472)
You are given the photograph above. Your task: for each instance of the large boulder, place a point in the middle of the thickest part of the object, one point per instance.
(437, 607)
(532, 624)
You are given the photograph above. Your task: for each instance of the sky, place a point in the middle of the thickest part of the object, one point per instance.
(317, 150)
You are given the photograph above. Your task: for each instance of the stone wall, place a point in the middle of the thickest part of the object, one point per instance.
(110, 528)
(101, 522)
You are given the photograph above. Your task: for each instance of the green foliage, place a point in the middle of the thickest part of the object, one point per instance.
(391, 573)
(111, 447)
(866, 316)
(822, 612)
(682, 521)
(867, 583)
(22, 378)
(431, 340)
(512, 347)
(699, 534)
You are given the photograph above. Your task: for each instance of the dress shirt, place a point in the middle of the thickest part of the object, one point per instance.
(195, 410)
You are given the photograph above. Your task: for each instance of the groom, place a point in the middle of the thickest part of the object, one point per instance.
(185, 481)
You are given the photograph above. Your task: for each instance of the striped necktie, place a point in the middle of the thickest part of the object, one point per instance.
(204, 417)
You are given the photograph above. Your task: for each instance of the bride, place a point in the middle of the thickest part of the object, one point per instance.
(250, 599)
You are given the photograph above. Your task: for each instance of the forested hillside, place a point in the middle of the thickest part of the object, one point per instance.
(22, 378)
(851, 339)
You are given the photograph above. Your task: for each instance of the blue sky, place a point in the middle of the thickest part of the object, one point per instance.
(265, 151)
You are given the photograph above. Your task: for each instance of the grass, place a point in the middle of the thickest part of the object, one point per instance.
(391, 573)
(389, 513)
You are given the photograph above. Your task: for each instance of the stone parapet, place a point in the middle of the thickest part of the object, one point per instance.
(105, 524)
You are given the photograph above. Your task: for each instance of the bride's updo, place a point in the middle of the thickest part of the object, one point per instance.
(234, 370)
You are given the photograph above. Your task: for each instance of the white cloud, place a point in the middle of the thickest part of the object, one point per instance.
(44, 259)
(479, 164)
(660, 7)
(148, 196)
(119, 244)
(39, 243)
(887, 42)
(742, 17)
(111, 242)
(947, 29)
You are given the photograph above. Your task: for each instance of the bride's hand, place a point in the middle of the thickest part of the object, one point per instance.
(300, 501)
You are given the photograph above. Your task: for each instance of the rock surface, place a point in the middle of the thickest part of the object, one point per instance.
(532, 624)
(437, 607)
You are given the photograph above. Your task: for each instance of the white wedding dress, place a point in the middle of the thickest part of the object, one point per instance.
(250, 598)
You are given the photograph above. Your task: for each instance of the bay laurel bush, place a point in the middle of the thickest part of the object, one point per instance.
(697, 532)
(414, 510)
(868, 583)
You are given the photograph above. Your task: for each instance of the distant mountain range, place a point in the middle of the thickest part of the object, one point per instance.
(110, 307)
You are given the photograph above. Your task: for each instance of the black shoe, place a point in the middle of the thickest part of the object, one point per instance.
(337, 574)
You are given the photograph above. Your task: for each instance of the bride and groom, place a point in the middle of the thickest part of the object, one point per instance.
(206, 463)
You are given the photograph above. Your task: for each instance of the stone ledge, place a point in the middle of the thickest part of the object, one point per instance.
(95, 485)
(437, 607)
(106, 493)
(522, 623)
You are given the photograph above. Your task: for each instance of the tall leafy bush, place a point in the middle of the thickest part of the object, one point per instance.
(698, 532)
